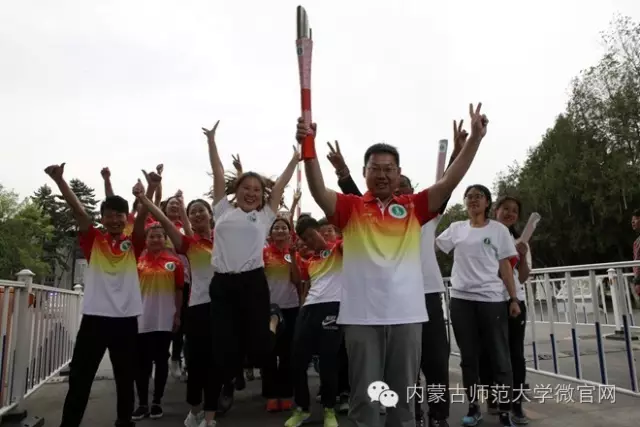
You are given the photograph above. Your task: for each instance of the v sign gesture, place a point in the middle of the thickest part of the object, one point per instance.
(459, 136)
(479, 122)
(211, 134)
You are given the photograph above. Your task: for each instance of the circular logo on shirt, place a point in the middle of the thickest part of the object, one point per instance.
(181, 230)
(170, 266)
(287, 257)
(252, 217)
(397, 211)
(125, 245)
(487, 241)
(325, 253)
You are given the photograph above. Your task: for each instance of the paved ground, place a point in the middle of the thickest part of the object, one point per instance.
(248, 410)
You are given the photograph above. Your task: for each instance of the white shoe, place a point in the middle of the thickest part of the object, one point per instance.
(204, 423)
(194, 420)
(174, 368)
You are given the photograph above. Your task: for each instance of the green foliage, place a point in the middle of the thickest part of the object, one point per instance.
(23, 229)
(583, 176)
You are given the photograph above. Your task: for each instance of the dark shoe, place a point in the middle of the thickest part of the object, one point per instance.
(438, 423)
(226, 399)
(140, 413)
(420, 421)
(518, 416)
(275, 311)
(156, 411)
(343, 404)
(505, 420)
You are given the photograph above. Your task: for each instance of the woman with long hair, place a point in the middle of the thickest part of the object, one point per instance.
(507, 211)
(239, 290)
(483, 252)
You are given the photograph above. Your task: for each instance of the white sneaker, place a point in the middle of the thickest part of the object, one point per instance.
(194, 420)
(174, 368)
(204, 423)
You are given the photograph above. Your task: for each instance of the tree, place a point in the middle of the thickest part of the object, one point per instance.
(61, 248)
(582, 177)
(23, 228)
(455, 213)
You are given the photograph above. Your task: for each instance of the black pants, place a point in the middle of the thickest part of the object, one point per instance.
(95, 336)
(480, 326)
(435, 360)
(343, 370)
(202, 377)
(317, 333)
(178, 337)
(153, 349)
(240, 312)
(517, 327)
(277, 371)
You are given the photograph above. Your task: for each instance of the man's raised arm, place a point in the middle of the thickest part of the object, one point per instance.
(324, 197)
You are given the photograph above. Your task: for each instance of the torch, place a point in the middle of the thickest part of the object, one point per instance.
(532, 223)
(304, 45)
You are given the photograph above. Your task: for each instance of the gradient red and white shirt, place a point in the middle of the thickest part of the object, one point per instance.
(161, 276)
(131, 218)
(277, 269)
(324, 273)
(111, 285)
(183, 259)
(382, 266)
(198, 251)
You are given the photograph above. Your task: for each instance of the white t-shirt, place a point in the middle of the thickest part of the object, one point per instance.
(239, 237)
(432, 278)
(476, 259)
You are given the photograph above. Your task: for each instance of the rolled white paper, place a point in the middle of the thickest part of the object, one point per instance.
(532, 223)
(443, 144)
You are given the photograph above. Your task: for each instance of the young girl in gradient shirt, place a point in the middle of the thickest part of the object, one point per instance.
(198, 249)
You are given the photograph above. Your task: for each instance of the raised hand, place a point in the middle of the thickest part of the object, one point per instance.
(296, 154)
(179, 195)
(479, 122)
(297, 195)
(211, 133)
(138, 189)
(237, 164)
(152, 178)
(335, 156)
(55, 171)
(106, 173)
(159, 169)
(459, 136)
(303, 130)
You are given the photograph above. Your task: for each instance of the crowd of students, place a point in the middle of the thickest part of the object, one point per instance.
(234, 284)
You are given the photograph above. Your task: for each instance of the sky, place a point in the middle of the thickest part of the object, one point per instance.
(129, 84)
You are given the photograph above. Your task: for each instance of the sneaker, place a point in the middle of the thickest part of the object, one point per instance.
(383, 410)
(194, 420)
(273, 405)
(156, 411)
(505, 420)
(205, 423)
(343, 404)
(286, 404)
(518, 416)
(298, 418)
(492, 407)
(438, 423)
(420, 421)
(330, 419)
(140, 413)
(473, 417)
(175, 369)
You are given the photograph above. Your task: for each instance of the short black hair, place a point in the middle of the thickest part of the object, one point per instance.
(323, 221)
(116, 204)
(408, 180)
(305, 223)
(382, 148)
(636, 213)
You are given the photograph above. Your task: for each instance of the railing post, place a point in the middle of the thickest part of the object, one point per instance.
(615, 300)
(572, 317)
(23, 338)
(78, 317)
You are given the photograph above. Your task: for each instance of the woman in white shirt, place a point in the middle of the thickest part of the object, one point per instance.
(508, 210)
(239, 291)
(483, 252)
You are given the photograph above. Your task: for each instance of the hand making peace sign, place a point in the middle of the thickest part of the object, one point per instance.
(211, 134)
(459, 136)
(479, 122)
(335, 156)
